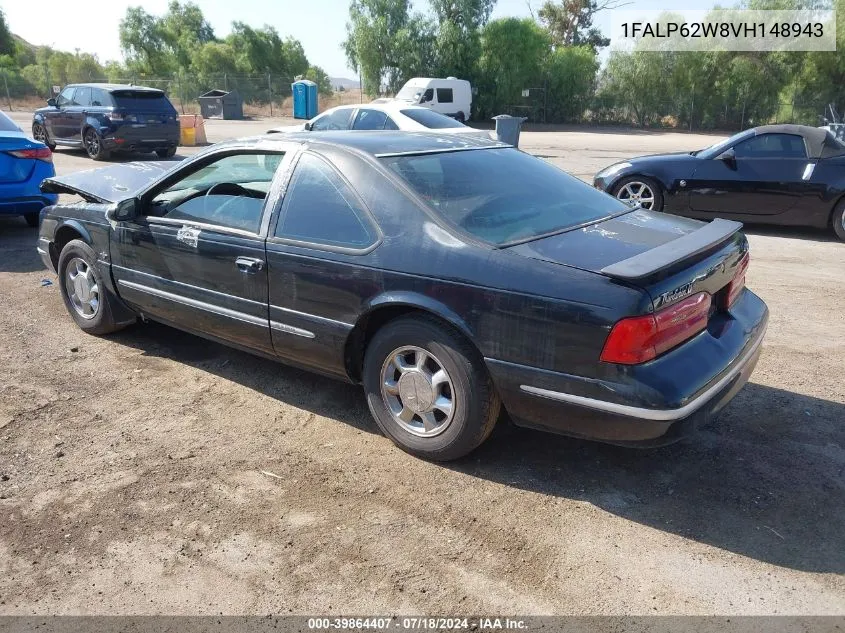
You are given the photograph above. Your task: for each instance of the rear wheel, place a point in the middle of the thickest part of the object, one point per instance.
(428, 390)
(170, 152)
(86, 298)
(94, 145)
(39, 133)
(639, 191)
(32, 219)
(838, 220)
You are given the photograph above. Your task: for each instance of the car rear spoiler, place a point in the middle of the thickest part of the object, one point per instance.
(665, 255)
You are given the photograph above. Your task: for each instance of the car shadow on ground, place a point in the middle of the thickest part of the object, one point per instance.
(121, 157)
(17, 246)
(765, 480)
(798, 232)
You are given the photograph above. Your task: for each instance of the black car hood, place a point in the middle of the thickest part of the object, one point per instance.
(109, 184)
(678, 157)
(600, 245)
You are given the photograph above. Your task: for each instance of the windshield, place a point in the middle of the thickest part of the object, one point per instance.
(430, 119)
(503, 196)
(410, 93)
(714, 150)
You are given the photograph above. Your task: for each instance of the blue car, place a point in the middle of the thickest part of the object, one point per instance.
(24, 163)
(104, 119)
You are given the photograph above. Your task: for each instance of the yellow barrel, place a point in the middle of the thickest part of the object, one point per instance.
(188, 136)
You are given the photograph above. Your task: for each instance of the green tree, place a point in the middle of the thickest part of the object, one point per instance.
(457, 45)
(570, 80)
(570, 22)
(7, 41)
(142, 41)
(319, 77)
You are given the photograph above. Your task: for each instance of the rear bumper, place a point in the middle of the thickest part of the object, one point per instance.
(26, 204)
(130, 138)
(551, 401)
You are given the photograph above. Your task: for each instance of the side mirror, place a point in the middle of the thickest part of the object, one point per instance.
(308, 126)
(124, 210)
(51, 103)
(728, 156)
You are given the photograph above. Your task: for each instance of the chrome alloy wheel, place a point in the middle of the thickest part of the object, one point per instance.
(417, 391)
(82, 289)
(39, 133)
(636, 194)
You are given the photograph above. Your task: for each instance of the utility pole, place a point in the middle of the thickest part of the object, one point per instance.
(270, 92)
(8, 97)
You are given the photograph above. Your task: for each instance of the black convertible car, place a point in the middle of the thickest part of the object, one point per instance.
(451, 276)
(774, 174)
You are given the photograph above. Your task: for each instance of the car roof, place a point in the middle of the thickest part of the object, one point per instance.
(818, 140)
(382, 142)
(388, 106)
(112, 87)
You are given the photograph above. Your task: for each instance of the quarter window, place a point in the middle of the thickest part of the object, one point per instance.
(444, 95)
(320, 208)
(228, 192)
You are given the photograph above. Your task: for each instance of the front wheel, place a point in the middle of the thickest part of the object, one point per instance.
(639, 191)
(86, 298)
(428, 389)
(94, 145)
(838, 220)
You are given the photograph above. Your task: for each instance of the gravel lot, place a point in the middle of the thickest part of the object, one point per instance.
(154, 472)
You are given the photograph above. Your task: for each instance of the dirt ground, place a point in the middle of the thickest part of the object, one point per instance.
(154, 472)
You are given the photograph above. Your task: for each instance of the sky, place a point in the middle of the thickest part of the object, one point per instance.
(319, 24)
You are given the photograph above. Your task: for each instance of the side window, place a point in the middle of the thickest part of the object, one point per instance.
(66, 97)
(100, 97)
(369, 120)
(444, 95)
(320, 208)
(337, 120)
(771, 146)
(428, 95)
(82, 97)
(390, 124)
(228, 192)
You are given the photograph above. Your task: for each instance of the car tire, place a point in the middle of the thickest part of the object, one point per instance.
(39, 133)
(440, 366)
(77, 258)
(170, 152)
(838, 220)
(93, 144)
(461, 117)
(633, 188)
(32, 219)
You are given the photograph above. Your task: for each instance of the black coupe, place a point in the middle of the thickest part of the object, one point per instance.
(774, 174)
(451, 276)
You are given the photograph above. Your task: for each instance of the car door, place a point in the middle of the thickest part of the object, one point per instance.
(55, 119)
(76, 111)
(318, 256)
(765, 176)
(195, 258)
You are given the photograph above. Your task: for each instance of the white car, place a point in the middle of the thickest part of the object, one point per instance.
(389, 115)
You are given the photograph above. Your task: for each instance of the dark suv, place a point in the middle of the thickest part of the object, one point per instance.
(106, 118)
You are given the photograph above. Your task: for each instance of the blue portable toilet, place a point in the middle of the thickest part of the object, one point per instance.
(304, 99)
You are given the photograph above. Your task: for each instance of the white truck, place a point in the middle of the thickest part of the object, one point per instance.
(450, 96)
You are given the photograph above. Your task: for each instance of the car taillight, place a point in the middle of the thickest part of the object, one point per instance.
(737, 284)
(40, 153)
(639, 339)
(115, 116)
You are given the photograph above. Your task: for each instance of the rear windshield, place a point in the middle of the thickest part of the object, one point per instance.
(142, 100)
(503, 196)
(7, 125)
(431, 119)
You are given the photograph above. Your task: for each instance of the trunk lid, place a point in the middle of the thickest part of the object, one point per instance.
(109, 184)
(669, 257)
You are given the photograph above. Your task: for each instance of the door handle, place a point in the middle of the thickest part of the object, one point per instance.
(250, 265)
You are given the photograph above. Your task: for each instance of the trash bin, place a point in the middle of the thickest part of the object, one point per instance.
(508, 128)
